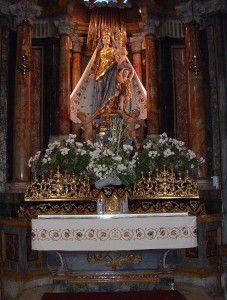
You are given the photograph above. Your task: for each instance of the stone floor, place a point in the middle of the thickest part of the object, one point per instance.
(191, 292)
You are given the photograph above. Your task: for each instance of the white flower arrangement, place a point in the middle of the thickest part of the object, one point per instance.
(95, 161)
(105, 162)
(68, 155)
(169, 152)
(110, 158)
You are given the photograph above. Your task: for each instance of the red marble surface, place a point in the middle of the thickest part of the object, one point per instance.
(196, 110)
(180, 88)
(22, 110)
(197, 138)
(151, 86)
(76, 74)
(137, 64)
(187, 44)
(76, 68)
(36, 100)
(64, 86)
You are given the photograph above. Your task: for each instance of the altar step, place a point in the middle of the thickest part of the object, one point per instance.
(145, 295)
(191, 292)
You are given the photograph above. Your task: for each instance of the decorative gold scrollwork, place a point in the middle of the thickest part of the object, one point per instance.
(165, 184)
(58, 187)
(114, 262)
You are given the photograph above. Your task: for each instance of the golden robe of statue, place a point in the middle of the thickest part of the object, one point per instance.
(104, 60)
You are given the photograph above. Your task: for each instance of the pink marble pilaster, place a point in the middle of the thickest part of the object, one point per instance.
(136, 46)
(22, 109)
(77, 43)
(64, 85)
(196, 109)
(151, 86)
(137, 64)
(76, 74)
(76, 68)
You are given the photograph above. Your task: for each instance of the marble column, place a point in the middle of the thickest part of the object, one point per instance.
(77, 43)
(195, 91)
(22, 98)
(65, 27)
(153, 126)
(136, 46)
(22, 108)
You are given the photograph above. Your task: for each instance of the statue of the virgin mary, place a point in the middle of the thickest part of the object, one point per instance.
(100, 81)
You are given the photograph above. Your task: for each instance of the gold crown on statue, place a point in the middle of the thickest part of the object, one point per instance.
(58, 187)
(106, 31)
(165, 184)
(120, 36)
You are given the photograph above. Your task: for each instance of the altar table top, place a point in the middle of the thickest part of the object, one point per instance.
(113, 232)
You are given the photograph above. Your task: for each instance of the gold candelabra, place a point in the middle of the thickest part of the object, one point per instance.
(58, 187)
(165, 184)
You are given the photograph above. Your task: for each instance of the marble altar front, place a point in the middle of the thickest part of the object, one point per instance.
(113, 232)
(113, 248)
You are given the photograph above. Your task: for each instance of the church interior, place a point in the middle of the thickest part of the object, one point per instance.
(167, 84)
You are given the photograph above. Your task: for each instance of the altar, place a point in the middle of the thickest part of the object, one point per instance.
(113, 248)
(113, 232)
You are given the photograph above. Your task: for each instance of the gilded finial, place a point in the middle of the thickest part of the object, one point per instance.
(165, 183)
(120, 36)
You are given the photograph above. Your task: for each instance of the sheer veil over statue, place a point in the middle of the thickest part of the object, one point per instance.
(99, 85)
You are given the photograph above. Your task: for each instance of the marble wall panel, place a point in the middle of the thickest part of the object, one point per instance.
(214, 99)
(36, 101)
(4, 53)
(180, 92)
(11, 242)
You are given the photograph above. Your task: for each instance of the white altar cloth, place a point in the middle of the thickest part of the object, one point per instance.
(113, 232)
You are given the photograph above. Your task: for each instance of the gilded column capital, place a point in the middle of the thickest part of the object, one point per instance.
(25, 10)
(184, 11)
(65, 25)
(77, 42)
(136, 43)
(149, 26)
